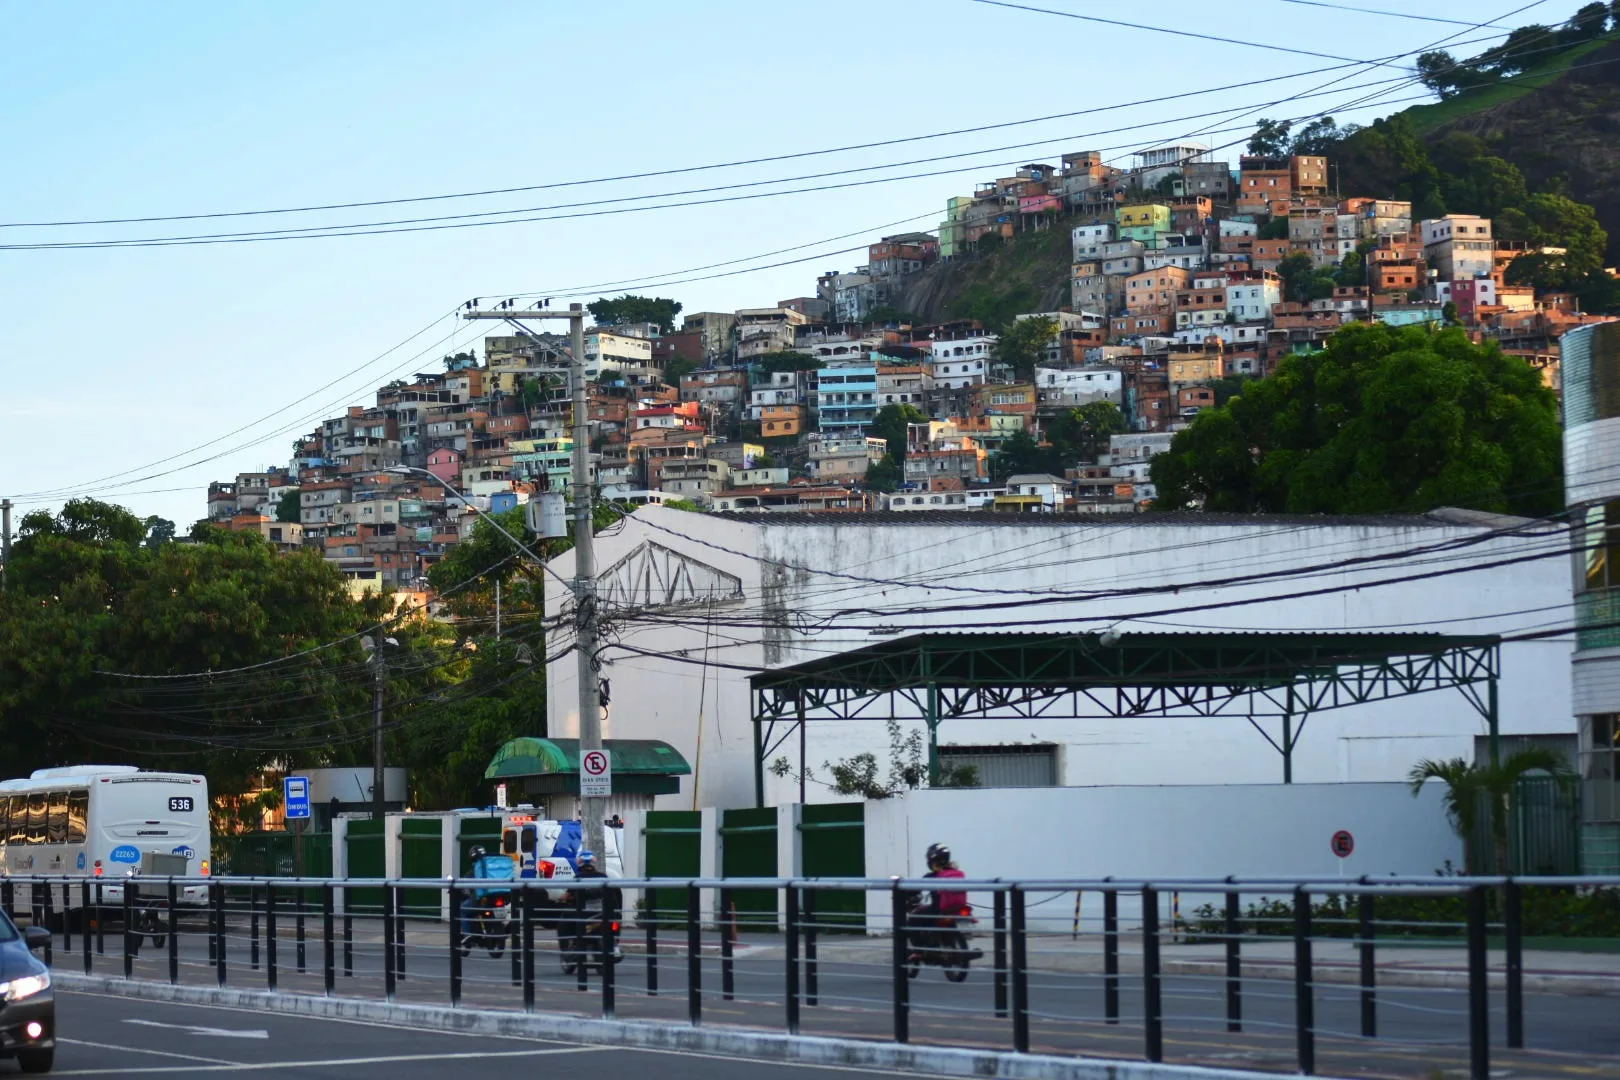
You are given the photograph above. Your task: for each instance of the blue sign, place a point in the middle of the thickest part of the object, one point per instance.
(295, 796)
(81, 860)
(125, 853)
(184, 851)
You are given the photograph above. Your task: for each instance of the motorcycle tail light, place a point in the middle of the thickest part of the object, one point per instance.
(965, 911)
(615, 927)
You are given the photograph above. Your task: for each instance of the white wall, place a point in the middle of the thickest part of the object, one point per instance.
(813, 614)
(1146, 833)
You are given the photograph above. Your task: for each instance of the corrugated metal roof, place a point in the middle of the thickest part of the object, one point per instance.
(987, 519)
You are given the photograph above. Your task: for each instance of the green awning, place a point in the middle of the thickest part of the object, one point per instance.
(529, 757)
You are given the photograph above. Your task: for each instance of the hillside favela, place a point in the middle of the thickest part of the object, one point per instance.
(1142, 608)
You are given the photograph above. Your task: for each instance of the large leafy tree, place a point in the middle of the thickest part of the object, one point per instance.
(220, 655)
(1081, 434)
(1023, 343)
(629, 308)
(890, 424)
(1383, 420)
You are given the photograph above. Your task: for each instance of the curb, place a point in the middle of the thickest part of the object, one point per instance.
(647, 1035)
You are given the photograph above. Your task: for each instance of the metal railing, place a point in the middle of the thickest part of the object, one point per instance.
(848, 957)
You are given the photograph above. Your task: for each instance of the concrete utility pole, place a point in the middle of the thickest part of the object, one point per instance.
(5, 541)
(379, 792)
(593, 810)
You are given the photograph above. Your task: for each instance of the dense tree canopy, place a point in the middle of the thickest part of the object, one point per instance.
(1383, 420)
(1024, 342)
(626, 309)
(248, 661)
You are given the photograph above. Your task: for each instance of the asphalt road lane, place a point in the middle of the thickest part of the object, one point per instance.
(102, 1035)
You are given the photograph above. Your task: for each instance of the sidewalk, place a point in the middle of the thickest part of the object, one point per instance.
(1334, 960)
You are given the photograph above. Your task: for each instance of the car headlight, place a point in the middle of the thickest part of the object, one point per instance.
(25, 987)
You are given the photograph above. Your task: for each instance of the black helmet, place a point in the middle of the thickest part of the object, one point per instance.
(938, 855)
(476, 853)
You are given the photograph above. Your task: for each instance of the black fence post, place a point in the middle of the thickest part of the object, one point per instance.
(174, 932)
(388, 942)
(44, 917)
(101, 921)
(694, 955)
(348, 933)
(298, 929)
(129, 927)
(1367, 920)
(1152, 987)
(723, 918)
(791, 967)
(1020, 971)
(217, 897)
(609, 942)
(1479, 1003)
(652, 946)
(514, 943)
(1234, 964)
(399, 932)
(253, 927)
(901, 972)
(7, 895)
(1304, 993)
(577, 939)
(998, 951)
(1111, 956)
(67, 922)
(328, 944)
(270, 935)
(84, 913)
(455, 946)
(811, 967)
(1513, 929)
(528, 948)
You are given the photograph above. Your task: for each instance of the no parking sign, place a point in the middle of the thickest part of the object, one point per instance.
(595, 774)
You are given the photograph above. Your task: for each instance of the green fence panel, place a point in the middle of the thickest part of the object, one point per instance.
(748, 849)
(364, 850)
(833, 845)
(1544, 831)
(421, 855)
(673, 842)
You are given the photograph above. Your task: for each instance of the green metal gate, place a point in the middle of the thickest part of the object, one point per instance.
(833, 845)
(274, 854)
(673, 842)
(748, 849)
(363, 846)
(421, 854)
(1544, 831)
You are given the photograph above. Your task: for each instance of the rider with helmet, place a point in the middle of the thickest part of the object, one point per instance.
(941, 903)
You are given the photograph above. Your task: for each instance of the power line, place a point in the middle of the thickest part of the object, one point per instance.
(1392, 14)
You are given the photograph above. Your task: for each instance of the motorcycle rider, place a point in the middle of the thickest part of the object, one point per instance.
(946, 903)
(598, 904)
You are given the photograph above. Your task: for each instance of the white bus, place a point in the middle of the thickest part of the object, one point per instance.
(103, 822)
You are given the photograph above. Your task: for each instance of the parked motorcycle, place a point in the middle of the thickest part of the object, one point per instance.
(940, 941)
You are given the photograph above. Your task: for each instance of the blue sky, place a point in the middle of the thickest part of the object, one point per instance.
(128, 370)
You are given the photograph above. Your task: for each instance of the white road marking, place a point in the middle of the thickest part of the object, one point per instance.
(142, 1050)
(197, 1029)
(265, 1066)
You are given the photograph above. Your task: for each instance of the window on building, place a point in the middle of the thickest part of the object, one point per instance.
(1004, 766)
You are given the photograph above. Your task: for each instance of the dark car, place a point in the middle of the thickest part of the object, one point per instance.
(27, 1006)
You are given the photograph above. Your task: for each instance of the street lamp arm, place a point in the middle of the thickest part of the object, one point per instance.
(493, 522)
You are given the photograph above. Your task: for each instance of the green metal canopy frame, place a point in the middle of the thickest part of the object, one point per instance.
(1061, 676)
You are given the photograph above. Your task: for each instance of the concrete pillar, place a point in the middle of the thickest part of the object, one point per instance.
(633, 853)
(340, 858)
(789, 850)
(393, 826)
(449, 856)
(709, 841)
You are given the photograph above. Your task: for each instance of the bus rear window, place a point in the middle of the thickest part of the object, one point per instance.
(18, 827)
(78, 815)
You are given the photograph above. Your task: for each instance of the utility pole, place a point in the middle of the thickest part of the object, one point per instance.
(592, 810)
(5, 541)
(379, 802)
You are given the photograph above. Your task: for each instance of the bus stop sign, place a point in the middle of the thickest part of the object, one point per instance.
(295, 797)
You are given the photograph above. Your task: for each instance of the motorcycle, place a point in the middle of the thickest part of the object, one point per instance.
(486, 916)
(940, 941)
(585, 946)
(486, 923)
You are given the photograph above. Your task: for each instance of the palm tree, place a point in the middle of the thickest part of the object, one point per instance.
(1472, 788)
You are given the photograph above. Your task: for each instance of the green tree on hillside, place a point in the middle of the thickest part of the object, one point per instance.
(770, 363)
(1383, 420)
(626, 309)
(1270, 138)
(1081, 434)
(890, 425)
(287, 507)
(1023, 344)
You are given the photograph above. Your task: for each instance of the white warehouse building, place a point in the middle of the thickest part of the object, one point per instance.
(696, 603)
